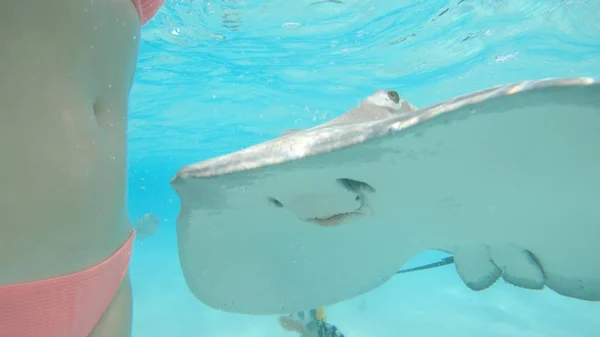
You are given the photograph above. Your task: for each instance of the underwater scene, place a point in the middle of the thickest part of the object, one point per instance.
(366, 168)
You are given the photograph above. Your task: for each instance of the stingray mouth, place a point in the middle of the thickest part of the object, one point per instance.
(358, 188)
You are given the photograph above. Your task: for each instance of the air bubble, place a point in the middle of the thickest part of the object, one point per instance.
(291, 25)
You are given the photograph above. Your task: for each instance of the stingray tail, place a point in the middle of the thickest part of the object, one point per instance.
(443, 262)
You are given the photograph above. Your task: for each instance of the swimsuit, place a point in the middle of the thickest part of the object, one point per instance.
(70, 305)
(147, 8)
(65, 306)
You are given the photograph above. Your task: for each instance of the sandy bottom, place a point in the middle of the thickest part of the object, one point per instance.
(422, 304)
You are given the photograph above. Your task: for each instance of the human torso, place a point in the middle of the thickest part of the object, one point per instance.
(66, 69)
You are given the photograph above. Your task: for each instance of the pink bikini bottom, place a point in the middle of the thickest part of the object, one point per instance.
(66, 306)
(147, 8)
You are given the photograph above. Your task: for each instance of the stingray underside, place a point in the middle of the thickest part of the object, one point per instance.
(506, 180)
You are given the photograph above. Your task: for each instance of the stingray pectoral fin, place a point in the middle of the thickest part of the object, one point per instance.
(574, 272)
(573, 286)
(518, 266)
(289, 132)
(475, 267)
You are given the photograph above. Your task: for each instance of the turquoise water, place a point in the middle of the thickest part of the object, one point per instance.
(205, 87)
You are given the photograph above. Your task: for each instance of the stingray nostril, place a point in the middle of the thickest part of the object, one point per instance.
(394, 96)
(275, 202)
(355, 185)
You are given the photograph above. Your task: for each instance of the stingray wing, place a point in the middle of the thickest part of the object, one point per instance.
(505, 179)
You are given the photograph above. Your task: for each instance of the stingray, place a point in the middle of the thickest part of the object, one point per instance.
(505, 180)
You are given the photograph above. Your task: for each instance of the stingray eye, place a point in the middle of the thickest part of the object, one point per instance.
(394, 96)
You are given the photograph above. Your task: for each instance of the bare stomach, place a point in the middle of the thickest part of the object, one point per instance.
(63, 119)
(63, 178)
